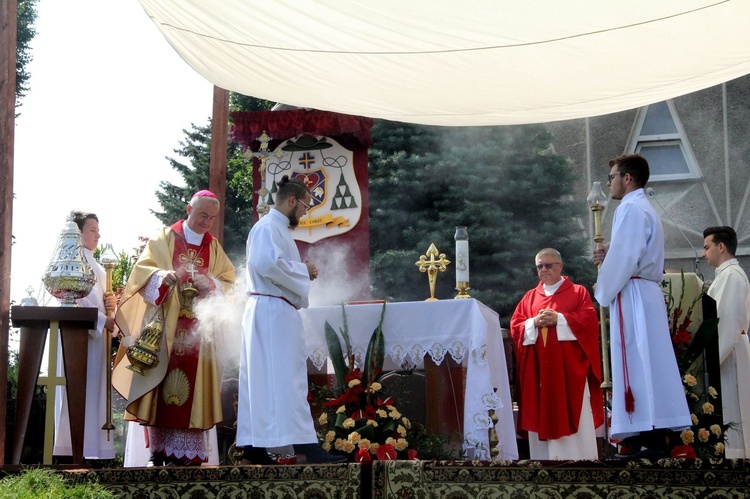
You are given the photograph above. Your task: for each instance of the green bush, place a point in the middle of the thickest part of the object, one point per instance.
(40, 483)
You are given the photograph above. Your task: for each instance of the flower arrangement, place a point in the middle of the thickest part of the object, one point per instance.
(707, 435)
(360, 421)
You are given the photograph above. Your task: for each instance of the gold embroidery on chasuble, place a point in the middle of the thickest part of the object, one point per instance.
(191, 261)
(176, 389)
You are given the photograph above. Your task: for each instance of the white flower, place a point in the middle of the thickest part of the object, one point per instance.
(349, 423)
(375, 386)
(354, 383)
(323, 419)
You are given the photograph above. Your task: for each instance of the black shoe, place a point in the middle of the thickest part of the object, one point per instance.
(314, 454)
(644, 453)
(256, 455)
(156, 459)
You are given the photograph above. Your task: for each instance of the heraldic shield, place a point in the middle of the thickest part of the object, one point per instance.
(327, 169)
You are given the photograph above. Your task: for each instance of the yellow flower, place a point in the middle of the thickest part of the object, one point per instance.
(694, 397)
(354, 437)
(374, 447)
(712, 391)
(354, 383)
(330, 436)
(401, 444)
(372, 423)
(703, 435)
(708, 408)
(341, 409)
(694, 419)
(323, 419)
(349, 423)
(375, 386)
(381, 413)
(406, 423)
(716, 430)
(401, 430)
(719, 449)
(339, 443)
(690, 380)
(326, 446)
(395, 414)
(364, 444)
(391, 441)
(687, 437)
(349, 447)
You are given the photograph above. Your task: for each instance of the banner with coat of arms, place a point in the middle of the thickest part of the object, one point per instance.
(327, 168)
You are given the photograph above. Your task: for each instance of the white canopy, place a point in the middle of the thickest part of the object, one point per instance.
(471, 62)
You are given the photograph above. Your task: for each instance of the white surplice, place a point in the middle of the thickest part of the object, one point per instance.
(731, 291)
(633, 269)
(95, 443)
(273, 410)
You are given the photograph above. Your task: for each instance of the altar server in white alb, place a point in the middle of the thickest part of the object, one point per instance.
(273, 410)
(96, 445)
(647, 393)
(731, 291)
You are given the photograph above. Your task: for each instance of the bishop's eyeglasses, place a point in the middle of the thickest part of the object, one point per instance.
(546, 265)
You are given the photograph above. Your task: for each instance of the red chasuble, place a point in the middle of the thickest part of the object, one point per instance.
(552, 376)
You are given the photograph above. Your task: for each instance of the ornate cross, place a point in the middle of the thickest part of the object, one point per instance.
(432, 266)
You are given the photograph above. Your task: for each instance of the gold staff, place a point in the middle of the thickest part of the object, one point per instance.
(108, 260)
(597, 201)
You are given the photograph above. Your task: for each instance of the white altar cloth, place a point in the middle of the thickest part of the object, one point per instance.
(466, 329)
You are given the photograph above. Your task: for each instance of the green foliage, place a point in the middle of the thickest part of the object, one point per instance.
(504, 183)
(25, 32)
(43, 483)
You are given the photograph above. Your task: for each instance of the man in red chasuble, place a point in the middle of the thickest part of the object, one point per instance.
(177, 400)
(555, 334)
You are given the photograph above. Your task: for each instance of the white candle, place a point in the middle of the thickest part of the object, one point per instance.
(462, 255)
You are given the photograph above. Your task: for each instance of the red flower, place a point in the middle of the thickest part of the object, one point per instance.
(412, 453)
(359, 414)
(684, 452)
(362, 456)
(387, 452)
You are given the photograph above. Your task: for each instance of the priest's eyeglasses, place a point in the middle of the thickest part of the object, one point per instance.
(307, 206)
(546, 265)
(610, 177)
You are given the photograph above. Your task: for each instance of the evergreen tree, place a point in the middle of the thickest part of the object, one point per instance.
(25, 32)
(504, 183)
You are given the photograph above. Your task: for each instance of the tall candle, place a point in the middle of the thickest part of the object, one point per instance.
(462, 254)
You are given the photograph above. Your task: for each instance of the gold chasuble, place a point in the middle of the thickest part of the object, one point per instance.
(182, 391)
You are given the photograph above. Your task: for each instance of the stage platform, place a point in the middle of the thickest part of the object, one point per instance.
(665, 478)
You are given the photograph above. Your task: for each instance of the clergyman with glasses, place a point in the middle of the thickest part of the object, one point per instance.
(647, 393)
(555, 333)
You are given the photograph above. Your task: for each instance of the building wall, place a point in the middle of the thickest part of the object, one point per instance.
(717, 125)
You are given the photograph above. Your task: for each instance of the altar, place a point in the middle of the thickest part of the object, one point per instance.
(467, 330)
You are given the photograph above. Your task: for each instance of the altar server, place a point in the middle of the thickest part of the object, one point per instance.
(731, 291)
(96, 444)
(273, 410)
(647, 393)
(555, 334)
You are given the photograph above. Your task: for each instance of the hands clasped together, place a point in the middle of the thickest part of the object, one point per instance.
(545, 318)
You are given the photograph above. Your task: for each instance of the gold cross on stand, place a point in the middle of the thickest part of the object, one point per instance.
(263, 154)
(432, 266)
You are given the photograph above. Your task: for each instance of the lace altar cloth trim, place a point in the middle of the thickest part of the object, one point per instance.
(411, 354)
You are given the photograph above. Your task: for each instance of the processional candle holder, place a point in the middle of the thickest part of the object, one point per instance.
(462, 262)
(108, 259)
(69, 276)
(597, 201)
(437, 261)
